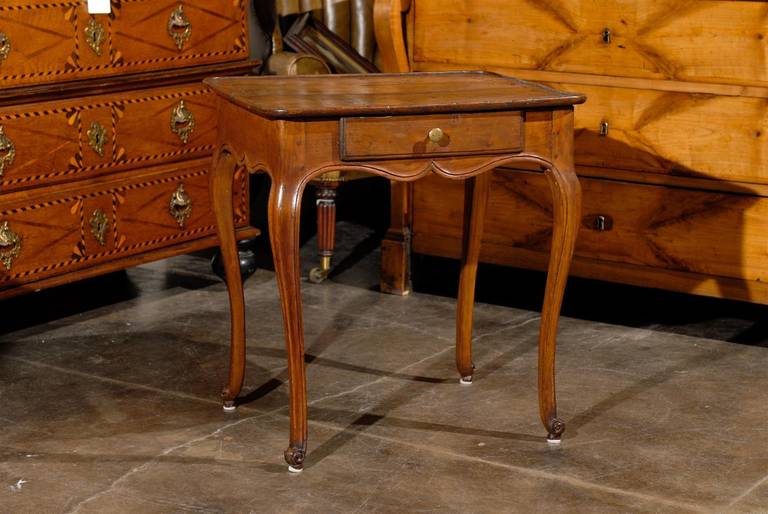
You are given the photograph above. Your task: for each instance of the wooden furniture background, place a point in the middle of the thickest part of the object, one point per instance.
(106, 132)
(671, 146)
(404, 127)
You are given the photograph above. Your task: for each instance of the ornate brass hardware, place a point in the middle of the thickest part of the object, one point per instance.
(5, 46)
(97, 136)
(99, 226)
(179, 27)
(10, 245)
(606, 36)
(604, 127)
(180, 206)
(598, 222)
(94, 36)
(436, 135)
(182, 121)
(7, 151)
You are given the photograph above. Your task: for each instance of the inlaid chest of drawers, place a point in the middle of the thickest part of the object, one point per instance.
(106, 133)
(671, 148)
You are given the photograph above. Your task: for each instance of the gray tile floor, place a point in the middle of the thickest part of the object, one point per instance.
(108, 400)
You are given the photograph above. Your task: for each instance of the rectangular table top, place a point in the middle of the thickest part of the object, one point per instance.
(314, 96)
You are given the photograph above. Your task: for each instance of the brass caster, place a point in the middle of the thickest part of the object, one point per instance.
(294, 456)
(556, 429)
(318, 275)
(466, 381)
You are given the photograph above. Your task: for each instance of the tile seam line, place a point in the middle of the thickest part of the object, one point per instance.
(745, 494)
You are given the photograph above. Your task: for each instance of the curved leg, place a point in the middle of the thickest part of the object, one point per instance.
(475, 203)
(566, 196)
(284, 214)
(221, 201)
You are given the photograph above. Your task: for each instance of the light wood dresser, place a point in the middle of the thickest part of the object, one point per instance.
(106, 133)
(671, 147)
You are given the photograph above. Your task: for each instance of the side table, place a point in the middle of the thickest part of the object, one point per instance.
(460, 125)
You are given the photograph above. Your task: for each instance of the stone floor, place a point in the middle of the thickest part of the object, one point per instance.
(108, 398)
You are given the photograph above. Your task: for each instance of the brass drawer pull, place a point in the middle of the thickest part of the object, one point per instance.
(10, 245)
(99, 226)
(180, 206)
(436, 135)
(97, 136)
(7, 151)
(182, 121)
(94, 36)
(179, 27)
(5, 46)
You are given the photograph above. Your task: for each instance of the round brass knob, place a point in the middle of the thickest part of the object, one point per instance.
(436, 135)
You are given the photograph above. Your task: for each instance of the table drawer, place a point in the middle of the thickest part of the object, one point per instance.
(715, 41)
(398, 137)
(703, 232)
(58, 41)
(63, 229)
(50, 142)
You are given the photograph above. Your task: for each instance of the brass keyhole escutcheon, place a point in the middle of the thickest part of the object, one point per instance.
(10, 245)
(179, 27)
(180, 206)
(5, 46)
(7, 151)
(182, 121)
(94, 36)
(97, 136)
(99, 226)
(604, 128)
(436, 135)
(607, 36)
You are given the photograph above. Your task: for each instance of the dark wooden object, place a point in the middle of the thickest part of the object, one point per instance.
(281, 126)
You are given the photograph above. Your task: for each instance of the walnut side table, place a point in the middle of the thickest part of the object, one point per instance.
(460, 125)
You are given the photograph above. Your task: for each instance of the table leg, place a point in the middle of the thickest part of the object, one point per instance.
(221, 200)
(475, 203)
(284, 218)
(566, 196)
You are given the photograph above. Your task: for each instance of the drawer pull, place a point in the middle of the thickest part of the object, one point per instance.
(94, 36)
(179, 27)
(10, 245)
(181, 206)
(598, 222)
(99, 226)
(436, 135)
(97, 136)
(7, 151)
(5, 46)
(182, 121)
(604, 127)
(606, 36)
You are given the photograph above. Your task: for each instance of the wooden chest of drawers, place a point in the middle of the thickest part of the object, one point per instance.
(671, 145)
(106, 133)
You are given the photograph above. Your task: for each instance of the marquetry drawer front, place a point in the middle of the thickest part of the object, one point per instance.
(399, 137)
(68, 228)
(50, 142)
(719, 137)
(707, 41)
(54, 41)
(702, 232)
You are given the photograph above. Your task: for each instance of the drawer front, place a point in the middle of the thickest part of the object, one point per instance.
(398, 137)
(59, 41)
(65, 229)
(702, 41)
(701, 232)
(719, 137)
(50, 142)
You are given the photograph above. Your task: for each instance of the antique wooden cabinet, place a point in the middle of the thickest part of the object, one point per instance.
(671, 145)
(106, 133)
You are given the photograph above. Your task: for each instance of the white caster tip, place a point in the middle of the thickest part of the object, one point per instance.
(229, 408)
(291, 469)
(554, 442)
(465, 381)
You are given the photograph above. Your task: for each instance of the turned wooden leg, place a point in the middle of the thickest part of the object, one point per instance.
(475, 203)
(326, 228)
(566, 203)
(396, 245)
(221, 201)
(284, 214)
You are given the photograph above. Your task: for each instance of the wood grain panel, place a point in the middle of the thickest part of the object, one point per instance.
(702, 41)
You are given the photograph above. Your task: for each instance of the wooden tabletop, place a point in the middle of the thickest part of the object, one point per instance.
(386, 94)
